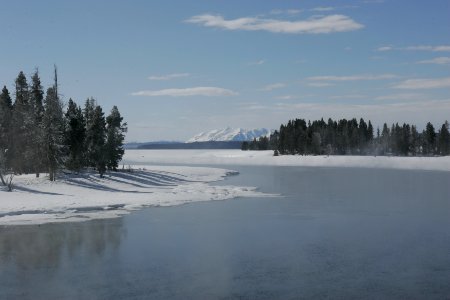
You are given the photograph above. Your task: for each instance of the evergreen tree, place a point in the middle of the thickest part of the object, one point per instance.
(21, 123)
(444, 139)
(5, 132)
(88, 113)
(36, 131)
(5, 118)
(115, 135)
(415, 141)
(75, 137)
(97, 135)
(385, 139)
(429, 139)
(53, 126)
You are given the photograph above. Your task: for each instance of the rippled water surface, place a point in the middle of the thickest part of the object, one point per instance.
(337, 234)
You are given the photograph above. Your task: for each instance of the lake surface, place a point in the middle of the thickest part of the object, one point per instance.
(337, 233)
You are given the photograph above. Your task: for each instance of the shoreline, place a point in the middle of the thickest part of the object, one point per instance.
(86, 196)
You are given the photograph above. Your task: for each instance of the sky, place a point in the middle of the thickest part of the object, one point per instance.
(176, 68)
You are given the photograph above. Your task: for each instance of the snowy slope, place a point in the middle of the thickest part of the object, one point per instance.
(229, 134)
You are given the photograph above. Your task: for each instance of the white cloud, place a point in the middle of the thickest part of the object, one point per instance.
(349, 96)
(257, 63)
(286, 97)
(319, 84)
(273, 86)
(326, 24)
(353, 77)
(436, 61)
(400, 97)
(424, 83)
(168, 76)
(287, 11)
(385, 48)
(441, 48)
(194, 91)
(293, 11)
(323, 8)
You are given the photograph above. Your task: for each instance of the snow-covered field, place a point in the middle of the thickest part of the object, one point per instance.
(87, 196)
(238, 157)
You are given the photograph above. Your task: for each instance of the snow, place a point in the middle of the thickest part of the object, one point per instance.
(229, 134)
(266, 158)
(87, 196)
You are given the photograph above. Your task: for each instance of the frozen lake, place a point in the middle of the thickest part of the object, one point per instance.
(342, 233)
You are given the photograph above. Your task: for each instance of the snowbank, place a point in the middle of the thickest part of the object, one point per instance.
(87, 196)
(238, 157)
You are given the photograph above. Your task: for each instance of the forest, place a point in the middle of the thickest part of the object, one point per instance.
(350, 137)
(39, 133)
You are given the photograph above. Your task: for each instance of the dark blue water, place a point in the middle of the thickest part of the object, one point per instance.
(336, 234)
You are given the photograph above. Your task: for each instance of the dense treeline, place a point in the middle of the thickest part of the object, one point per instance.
(37, 135)
(353, 137)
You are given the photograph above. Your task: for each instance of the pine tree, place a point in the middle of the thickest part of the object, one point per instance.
(429, 139)
(89, 141)
(444, 139)
(5, 118)
(36, 131)
(415, 141)
(5, 132)
(385, 139)
(21, 123)
(53, 124)
(75, 137)
(97, 136)
(115, 135)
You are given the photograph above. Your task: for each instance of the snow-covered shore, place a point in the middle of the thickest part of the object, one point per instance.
(266, 158)
(87, 196)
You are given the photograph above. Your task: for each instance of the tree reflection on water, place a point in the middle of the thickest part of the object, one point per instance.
(47, 246)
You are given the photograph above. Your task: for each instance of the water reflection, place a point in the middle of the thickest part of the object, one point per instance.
(46, 246)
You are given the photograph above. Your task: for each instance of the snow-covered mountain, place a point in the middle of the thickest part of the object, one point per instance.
(229, 134)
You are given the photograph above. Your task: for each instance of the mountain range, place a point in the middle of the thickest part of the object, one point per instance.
(229, 135)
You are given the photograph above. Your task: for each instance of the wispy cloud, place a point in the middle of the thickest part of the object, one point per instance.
(168, 76)
(441, 48)
(348, 97)
(424, 83)
(291, 11)
(320, 84)
(194, 91)
(286, 97)
(353, 77)
(326, 24)
(273, 86)
(436, 61)
(322, 8)
(257, 63)
(400, 97)
(385, 48)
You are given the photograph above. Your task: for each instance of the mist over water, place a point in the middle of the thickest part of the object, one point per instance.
(337, 233)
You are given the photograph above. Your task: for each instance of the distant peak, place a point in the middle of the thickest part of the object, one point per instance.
(230, 134)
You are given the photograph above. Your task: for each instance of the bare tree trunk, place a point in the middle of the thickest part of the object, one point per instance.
(2, 179)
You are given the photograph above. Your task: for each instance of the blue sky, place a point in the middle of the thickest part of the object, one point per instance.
(176, 68)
